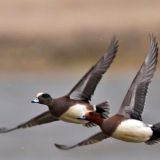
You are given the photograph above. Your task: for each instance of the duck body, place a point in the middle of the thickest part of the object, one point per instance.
(70, 110)
(129, 130)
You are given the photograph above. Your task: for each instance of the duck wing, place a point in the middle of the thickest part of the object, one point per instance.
(43, 118)
(91, 140)
(134, 101)
(86, 86)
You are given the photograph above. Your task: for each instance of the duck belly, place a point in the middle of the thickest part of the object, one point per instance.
(74, 112)
(133, 131)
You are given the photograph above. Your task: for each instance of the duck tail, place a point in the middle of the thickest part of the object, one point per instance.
(155, 138)
(103, 109)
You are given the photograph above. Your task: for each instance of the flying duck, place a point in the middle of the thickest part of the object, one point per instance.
(76, 103)
(127, 124)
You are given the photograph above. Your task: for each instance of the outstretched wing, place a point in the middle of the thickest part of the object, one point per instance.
(91, 140)
(134, 101)
(85, 88)
(43, 118)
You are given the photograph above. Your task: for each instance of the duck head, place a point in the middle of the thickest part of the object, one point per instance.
(42, 98)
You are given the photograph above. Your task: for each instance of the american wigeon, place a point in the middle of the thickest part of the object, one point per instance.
(127, 124)
(77, 102)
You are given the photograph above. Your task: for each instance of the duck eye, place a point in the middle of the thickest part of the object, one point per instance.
(46, 95)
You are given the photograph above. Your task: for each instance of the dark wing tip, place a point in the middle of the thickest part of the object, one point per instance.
(63, 147)
(152, 37)
(153, 43)
(114, 39)
(152, 54)
(5, 130)
(113, 45)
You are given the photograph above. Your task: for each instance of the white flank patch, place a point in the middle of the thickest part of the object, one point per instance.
(74, 112)
(133, 131)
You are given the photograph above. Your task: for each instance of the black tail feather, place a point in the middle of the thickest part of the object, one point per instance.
(103, 108)
(156, 134)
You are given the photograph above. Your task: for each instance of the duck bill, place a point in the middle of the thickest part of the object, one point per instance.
(36, 100)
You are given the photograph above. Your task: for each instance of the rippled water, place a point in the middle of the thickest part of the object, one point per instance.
(16, 92)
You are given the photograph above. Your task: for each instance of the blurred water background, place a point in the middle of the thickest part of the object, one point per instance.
(47, 46)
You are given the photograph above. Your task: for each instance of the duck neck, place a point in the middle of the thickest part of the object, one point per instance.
(50, 104)
(96, 118)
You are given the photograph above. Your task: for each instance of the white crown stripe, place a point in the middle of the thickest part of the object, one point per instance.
(39, 94)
